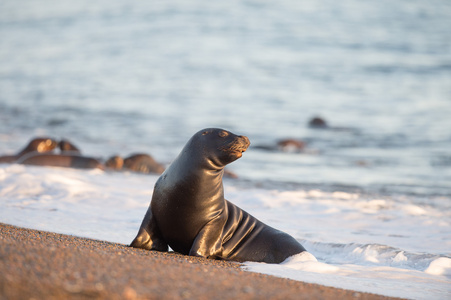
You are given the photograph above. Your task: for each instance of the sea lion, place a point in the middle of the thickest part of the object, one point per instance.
(189, 213)
(67, 147)
(285, 145)
(142, 163)
(114, 162)
(291, 145)
(61, 160)
(39, 145)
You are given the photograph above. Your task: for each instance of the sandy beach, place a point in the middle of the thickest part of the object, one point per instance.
(44, 265)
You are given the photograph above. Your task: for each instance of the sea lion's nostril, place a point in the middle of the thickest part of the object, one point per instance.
(245, 140)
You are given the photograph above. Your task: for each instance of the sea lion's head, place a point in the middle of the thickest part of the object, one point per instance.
(221, 147)
(40, 145)
(318, 122)
(65, 145)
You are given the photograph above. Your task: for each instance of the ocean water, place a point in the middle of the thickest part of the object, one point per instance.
(369, 197)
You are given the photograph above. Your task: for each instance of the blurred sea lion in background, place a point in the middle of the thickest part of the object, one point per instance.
(67, 147)
(115, 163)
(142, 163)
(37, 145)
(291, 145)
(70, 157)
(38, 152)
(60, 160)
(285, 145)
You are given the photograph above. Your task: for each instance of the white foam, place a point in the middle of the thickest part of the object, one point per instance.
(440, 266)
(389, 281)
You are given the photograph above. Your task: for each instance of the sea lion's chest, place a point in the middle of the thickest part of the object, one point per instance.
(183, 206)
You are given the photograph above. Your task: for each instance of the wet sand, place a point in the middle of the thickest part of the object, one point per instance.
(43, 265)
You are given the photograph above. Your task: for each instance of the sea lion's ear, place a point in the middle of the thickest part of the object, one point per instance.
(205, 132)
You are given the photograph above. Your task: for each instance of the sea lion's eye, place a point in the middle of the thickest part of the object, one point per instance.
(223, 134)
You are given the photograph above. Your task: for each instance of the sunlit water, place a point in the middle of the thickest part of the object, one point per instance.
(115, 78)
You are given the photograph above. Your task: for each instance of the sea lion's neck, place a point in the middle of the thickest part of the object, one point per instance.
(200, 169)
(200, 175)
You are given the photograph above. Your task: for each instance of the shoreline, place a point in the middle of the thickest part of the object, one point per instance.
(45, 265)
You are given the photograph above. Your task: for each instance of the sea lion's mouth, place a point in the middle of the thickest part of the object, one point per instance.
(238, 146)
(238, 152)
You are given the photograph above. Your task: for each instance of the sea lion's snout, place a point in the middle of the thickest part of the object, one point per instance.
(238, 146)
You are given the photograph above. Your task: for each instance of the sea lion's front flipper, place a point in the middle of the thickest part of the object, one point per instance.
(208, 243)
(149, 236)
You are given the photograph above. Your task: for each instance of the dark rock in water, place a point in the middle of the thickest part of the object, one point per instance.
(318, 123)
